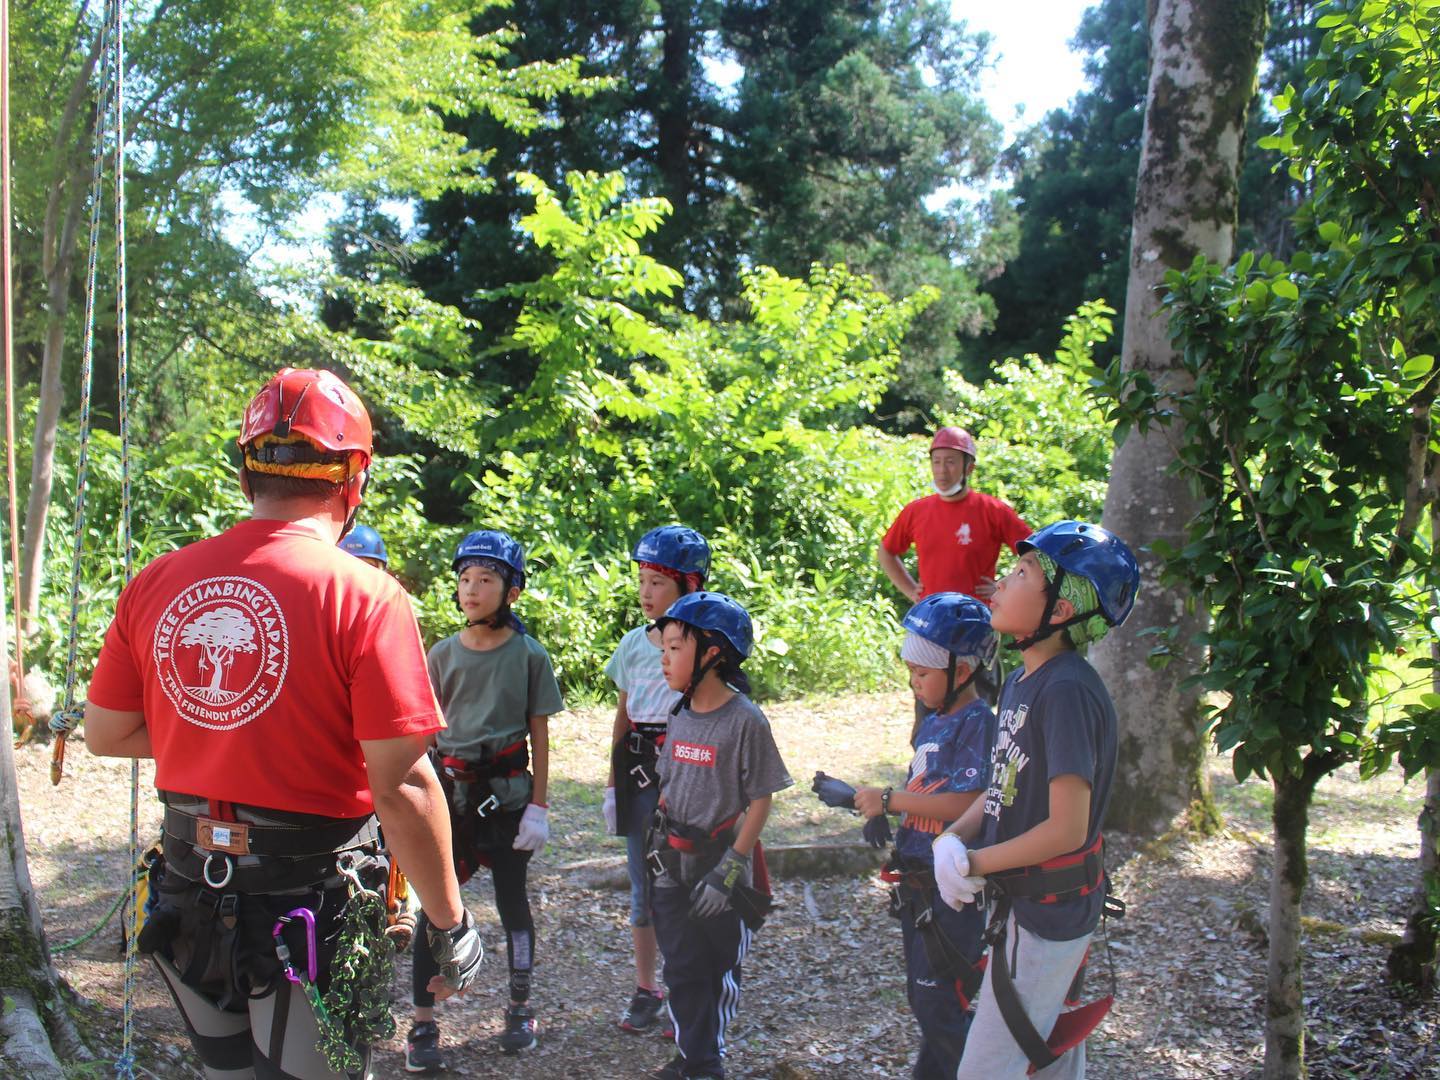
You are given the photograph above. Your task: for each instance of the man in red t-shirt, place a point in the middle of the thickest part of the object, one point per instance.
(957, 533)
(280, 685)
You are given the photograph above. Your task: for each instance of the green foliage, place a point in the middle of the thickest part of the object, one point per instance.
(843, 124)
(1308, 430)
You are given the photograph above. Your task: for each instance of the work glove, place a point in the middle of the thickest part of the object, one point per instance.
(457, 951)
(952, 870)
(711, 894)
(608, 809)
(877, 831)
(534, 829)
(833, 792)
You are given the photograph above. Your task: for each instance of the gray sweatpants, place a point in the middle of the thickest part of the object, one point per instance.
(1042, 971)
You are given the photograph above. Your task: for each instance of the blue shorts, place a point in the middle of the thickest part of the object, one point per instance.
(642, 810)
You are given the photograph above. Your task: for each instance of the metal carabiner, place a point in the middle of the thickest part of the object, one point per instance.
(229, 870)
(347, 865)
(312, 965)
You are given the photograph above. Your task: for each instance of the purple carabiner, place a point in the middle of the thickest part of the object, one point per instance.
(283, 951)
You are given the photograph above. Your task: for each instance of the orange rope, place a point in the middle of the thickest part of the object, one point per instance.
(7, 337)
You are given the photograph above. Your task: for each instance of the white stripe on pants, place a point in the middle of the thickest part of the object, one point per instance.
(1042, 972)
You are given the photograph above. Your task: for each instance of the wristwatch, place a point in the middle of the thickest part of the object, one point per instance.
(885, 800)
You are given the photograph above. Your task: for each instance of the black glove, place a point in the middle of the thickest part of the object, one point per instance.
(457, 951)
(833, 792)
(711, 894)
(877, 831)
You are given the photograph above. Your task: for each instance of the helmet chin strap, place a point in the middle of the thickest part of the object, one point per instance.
(1047, 628)
(697, 673)
(951, 690)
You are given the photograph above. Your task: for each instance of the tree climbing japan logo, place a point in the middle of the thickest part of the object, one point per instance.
(221, 652)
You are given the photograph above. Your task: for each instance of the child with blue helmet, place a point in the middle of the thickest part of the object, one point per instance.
(718, 771)
(1035, 841)
(948, 642)
(497, 690)
(366, 544)
(671, 561)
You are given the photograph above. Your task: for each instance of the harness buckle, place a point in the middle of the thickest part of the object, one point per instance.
(642, 777)
(487, 805)
(656, 861)
(637, 743)
(1114, 906)
(229, 869)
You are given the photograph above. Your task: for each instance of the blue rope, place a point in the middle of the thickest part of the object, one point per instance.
(125, 1063)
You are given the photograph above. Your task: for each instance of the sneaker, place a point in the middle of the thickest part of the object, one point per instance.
(674, 1069)
(644, 1010)
(519, 1033)
(422, 1048)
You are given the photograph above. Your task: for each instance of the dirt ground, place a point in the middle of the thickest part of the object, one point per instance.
(824, 991)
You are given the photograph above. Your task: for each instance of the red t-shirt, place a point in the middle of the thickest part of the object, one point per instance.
(260, 657)
(956, 543)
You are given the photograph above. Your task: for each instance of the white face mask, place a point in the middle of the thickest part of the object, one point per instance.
(954, 489)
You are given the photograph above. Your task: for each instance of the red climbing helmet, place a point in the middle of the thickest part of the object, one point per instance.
(315, 405)
(954, 438)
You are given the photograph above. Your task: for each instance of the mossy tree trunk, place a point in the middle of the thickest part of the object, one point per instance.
(24, 957)
(1203, 62)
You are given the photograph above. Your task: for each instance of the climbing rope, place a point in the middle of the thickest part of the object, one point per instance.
(8, 316)
(355, 1010)
(125, 1064)
(109, 101)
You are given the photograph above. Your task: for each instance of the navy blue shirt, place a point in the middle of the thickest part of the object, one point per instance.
(1057, 721)
(952, 754)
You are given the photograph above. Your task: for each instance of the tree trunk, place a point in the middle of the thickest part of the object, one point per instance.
(1285, 1004)
(1203, 62)
(24, 957)
(1412, 962)
(673, 126)
(63, 210)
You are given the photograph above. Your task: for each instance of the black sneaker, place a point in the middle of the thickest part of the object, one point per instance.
(422, 1048)
(644, 1010)
(519, 1033)
(674, 1069)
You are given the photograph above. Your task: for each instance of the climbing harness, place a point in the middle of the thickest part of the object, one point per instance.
(669, 841)
(635, 758)
(912, 887)
(1077, 874)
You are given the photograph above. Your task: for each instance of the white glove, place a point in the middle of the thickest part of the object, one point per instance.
(952, 870)
(608, 809)
(534, 829)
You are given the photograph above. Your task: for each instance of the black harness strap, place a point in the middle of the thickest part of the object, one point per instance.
(1008, 999)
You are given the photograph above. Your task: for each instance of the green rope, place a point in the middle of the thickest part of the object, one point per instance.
(104, 920)
(355, 1010)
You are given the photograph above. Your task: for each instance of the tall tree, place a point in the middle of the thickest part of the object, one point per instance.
(231, 103)
(1203, 61)
(1075, 175)
(783, 134)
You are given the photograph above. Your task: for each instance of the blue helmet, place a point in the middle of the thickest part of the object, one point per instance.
(959, 624)
(364, 543)
(492, 544)
(676, 547)
(1098, 556)
(716, 613)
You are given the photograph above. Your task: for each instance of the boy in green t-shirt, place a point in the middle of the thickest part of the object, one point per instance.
(497, 691)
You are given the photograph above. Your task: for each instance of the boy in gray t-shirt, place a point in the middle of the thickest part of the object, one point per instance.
(718, 771)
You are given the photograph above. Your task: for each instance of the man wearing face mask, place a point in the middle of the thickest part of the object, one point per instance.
(957, 532)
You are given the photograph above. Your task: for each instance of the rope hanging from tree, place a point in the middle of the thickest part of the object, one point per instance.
(109, 122)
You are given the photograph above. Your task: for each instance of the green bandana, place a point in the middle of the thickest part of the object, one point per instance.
(1082, 596)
